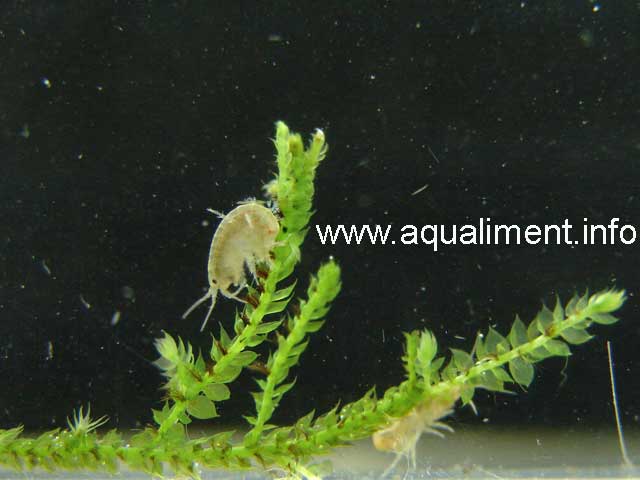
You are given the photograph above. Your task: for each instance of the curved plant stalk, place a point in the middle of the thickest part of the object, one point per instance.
(195, 383)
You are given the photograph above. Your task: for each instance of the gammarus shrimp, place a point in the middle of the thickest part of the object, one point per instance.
(244, 238)
(402, 435)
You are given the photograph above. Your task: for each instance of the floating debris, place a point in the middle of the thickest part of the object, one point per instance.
(128, 293)
(85, 304)
(421, 189)
(115, 318)
(45, 267)
(24, 131)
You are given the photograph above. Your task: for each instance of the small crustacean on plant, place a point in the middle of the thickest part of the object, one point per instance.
(402, 435)
(244, 238)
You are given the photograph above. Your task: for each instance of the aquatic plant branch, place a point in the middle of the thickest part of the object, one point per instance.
(436, 385)
(195, 383)
(549, 334)
(292, 190)
(322, 291)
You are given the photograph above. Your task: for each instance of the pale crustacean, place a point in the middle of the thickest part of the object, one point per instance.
(402, 435)
(245, 237)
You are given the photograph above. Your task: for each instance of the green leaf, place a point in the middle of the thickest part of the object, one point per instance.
(287, 269)
(532, 330)
(238, 324)
(462, 359)
(284, 292)
(267, 327)
(570, 307)
(282, 389)
(427, 348)
(216, 353)
(502, 375)
(557, 348)
(521, 371)
(466, 394)
(314, 326)
(183, 419)
(558, 311)
(518, 334)
(250, 419)
(539, 353)
(217, 392)
(583, 301)
(478, 347)
(167, 347)
(226, 375)
(276, 307)
(201, 407)
(159, 416)
(298, 349)
(320, 312)
(603, 318)
(244, 358)
(222, 439)
(255, 340)
(436, 365)
(225, 340)
(495, 343)
(489, 381)
(450, 371)
(576, 336)
(304, 423)
(544, 320)
(200, 364)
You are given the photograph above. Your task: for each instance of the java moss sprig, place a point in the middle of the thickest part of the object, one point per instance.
(193, 388)
(322, 291)
(195, 383)
(428, 382)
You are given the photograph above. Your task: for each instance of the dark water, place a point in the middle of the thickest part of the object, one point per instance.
(121, 123)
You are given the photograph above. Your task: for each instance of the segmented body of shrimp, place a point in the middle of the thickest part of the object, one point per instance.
(402, 435)
(244, 238)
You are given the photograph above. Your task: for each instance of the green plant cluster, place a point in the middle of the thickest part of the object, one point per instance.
(197, 382)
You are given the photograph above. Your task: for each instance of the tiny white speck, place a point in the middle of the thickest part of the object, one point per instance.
(115, 318)
(85, 304)
(46, 82)
(46, 268)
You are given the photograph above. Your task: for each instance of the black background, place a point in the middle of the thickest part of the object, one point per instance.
(121, 122)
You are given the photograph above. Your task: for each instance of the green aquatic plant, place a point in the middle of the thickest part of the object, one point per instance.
(196, 383)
